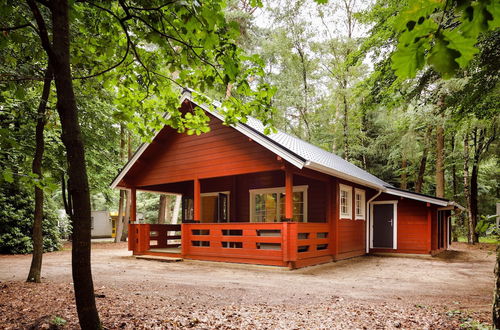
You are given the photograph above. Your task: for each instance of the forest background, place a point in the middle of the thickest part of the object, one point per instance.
(335, 86)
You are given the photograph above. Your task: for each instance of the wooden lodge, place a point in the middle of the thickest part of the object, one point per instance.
(272, 199)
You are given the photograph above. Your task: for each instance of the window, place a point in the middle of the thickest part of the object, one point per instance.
(268, 205)
(345, 202)
(359, 204)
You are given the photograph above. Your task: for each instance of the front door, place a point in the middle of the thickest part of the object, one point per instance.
(383, 226)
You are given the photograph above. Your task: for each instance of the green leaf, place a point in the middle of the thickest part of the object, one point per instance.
(7, 175)
(407, 60)
(442, 59)
(464, 45)
(474, 20)
(493, 9)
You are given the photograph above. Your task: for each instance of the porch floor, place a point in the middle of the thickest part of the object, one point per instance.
(166, 250)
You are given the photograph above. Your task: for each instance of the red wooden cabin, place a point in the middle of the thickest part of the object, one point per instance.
(273, 200)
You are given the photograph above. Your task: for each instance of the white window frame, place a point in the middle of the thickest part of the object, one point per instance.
(361, 192)
(277, 190)
(348, 189)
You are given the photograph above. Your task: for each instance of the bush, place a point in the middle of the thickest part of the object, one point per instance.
(16, 221)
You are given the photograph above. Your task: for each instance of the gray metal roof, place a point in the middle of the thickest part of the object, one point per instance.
(312, 153)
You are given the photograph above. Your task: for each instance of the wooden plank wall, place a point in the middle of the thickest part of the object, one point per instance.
(412, 225)
(174, 157)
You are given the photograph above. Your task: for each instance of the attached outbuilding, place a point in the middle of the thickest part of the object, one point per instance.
(273, 199)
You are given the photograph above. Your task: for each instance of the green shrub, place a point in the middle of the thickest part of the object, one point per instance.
(16, 219)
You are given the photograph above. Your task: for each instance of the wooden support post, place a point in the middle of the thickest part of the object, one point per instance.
(288, 194)
(197, 200)
(133, 205)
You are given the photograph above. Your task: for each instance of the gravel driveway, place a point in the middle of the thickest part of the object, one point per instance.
(448, 291)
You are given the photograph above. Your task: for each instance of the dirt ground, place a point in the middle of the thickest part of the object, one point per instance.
(446, 292)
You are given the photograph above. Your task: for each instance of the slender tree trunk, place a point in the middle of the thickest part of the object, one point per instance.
(423, 163)
(305, 109)
(59, 58)
(345, 124)
(162, 209)
(404, 165)
(471, 226)
(120, 223)
(36, 261)
(496, 293)
(440, 160)
(126, 218)
(119, 220)
(177, 207)
(454, 169)
(473, 203)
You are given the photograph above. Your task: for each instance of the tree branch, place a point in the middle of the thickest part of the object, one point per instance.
(42, 28)
(12, 28)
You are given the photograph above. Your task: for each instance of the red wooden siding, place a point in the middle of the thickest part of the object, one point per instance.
(351, 238)
(413, 230)
(174, 157)
(351, 233)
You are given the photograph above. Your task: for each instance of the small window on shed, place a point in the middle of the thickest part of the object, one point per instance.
(345, 201)
(359, 204)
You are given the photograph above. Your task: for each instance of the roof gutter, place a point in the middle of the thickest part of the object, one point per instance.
(368, 213)
(320, 168)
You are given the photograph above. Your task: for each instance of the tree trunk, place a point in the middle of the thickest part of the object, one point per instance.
(454, 169)
(496, 293)
(473, 203)
(177, 207)
(119, 220)
(471, 226)
(440, 160)
(36, 261)
(345, 124)
(162, 210)
(404, 181)
(126, 218)
(59, 58)
(423, 163)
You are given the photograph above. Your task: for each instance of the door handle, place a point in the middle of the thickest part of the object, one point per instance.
(390, 222)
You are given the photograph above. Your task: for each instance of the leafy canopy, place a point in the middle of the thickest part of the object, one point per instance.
(441, 33)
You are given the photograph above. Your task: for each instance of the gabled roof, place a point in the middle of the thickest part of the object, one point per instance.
(299, 153)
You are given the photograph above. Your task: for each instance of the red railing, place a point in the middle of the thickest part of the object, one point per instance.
(262, 243)
(143, 237)
(285, 243)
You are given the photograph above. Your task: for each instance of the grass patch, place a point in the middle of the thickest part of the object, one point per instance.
(486, 239)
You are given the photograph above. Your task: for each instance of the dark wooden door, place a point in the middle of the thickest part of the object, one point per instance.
(383, 225)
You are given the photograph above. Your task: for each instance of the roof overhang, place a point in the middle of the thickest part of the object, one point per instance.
(419, 197)
(323, 169)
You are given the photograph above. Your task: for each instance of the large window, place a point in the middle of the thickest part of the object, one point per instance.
(345, 202)
(359, 204)
(268, 205)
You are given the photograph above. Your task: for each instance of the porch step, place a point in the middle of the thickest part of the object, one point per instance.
(159, 258)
